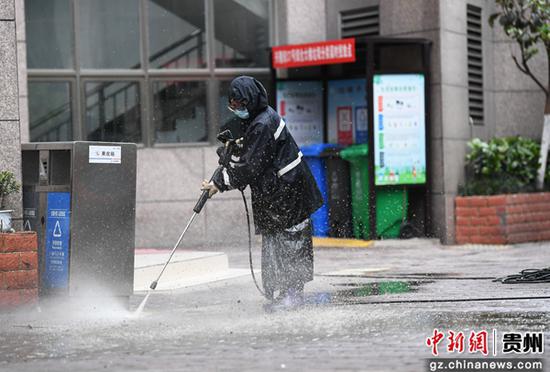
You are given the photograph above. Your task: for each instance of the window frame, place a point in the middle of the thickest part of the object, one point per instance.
(72, 95)
(106, 78)
(211, 37)
(145, 75)
(72, 12)
(178, 78)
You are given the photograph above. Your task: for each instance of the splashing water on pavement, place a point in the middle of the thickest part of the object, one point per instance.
(141, 306)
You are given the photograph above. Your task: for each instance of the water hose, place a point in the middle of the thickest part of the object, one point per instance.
(250, 246)
(527, 276)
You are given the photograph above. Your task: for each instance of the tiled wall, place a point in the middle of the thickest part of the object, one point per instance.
(168, 186)
(10, 148)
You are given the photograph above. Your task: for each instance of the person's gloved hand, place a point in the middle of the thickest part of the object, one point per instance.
(223, 160)
(212, 189)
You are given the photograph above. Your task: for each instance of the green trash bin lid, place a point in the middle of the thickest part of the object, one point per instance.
(354, 152)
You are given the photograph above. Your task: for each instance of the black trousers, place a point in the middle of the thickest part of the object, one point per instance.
(287, 258)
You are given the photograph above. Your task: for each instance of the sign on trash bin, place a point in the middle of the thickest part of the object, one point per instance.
(56, 273)
(105, 154)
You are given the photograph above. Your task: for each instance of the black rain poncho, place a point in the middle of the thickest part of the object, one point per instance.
(284, 192)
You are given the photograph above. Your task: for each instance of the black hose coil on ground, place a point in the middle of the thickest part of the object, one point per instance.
(527, 276)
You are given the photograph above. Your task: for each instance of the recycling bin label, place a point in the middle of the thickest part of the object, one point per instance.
(56, 272)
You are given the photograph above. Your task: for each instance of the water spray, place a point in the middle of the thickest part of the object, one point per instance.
(196, 210)
(227, 138)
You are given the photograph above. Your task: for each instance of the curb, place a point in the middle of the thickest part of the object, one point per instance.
(341, 243)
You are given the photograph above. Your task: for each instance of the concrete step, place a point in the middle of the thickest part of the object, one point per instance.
(186, 268)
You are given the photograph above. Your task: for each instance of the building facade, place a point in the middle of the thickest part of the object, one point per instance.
(155, 72)
(10, 116)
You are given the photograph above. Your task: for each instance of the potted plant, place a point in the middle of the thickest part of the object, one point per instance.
(8, 186)
(500, 202)
(501, 166)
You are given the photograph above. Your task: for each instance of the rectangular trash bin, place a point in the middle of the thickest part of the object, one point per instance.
(80, 198)
(391, 201)
(339, 193)
(316, 163)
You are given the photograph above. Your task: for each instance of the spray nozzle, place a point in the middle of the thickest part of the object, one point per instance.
(225, 136)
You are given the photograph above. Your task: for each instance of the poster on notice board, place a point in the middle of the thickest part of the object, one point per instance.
(300, 104)
(347, 111)
(399, 129)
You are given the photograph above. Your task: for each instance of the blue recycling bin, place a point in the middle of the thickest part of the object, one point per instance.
(312, 154)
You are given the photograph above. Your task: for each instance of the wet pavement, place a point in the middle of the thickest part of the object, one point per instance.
(367, 309)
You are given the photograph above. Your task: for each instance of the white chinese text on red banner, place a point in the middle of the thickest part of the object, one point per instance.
(311, 54)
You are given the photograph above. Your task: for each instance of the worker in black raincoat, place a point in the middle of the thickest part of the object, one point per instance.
(284, 192)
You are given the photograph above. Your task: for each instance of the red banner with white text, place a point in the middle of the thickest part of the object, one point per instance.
(312, 54)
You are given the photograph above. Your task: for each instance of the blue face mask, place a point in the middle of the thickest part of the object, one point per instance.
(243, 113)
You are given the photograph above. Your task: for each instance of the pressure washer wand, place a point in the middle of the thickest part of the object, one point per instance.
(154, 284)
(196, 210)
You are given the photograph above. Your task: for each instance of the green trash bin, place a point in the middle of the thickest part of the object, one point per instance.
(391, 201)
